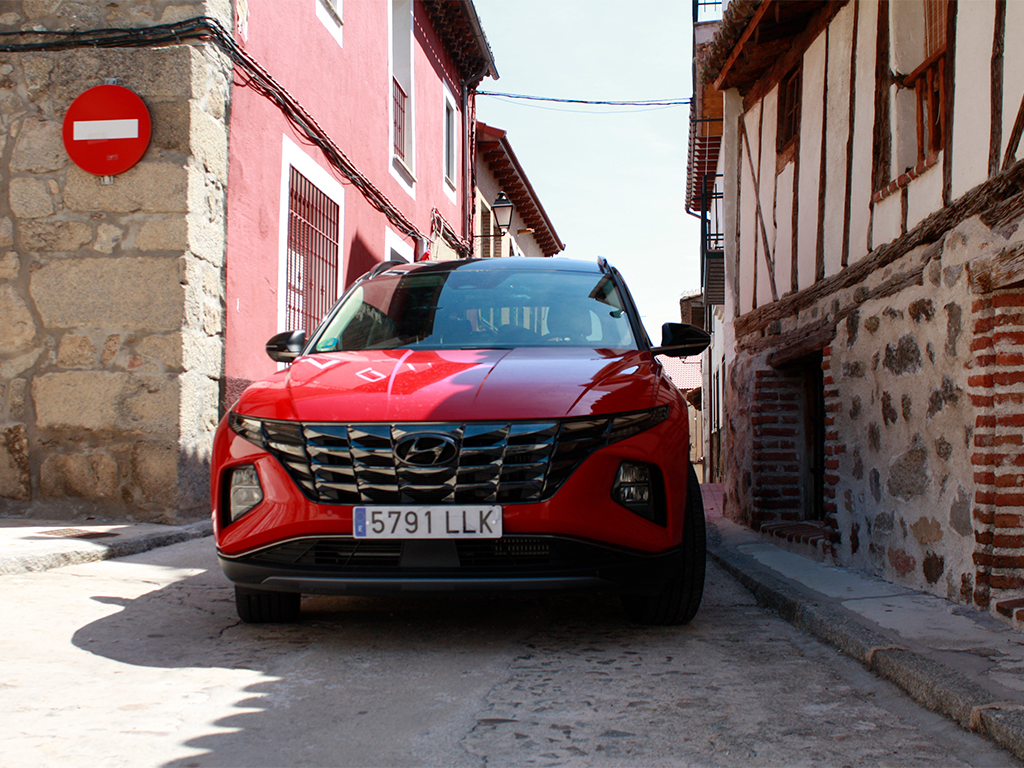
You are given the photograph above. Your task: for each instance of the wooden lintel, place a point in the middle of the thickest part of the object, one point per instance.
(1004, 270)
(801, 343)
(804, 340)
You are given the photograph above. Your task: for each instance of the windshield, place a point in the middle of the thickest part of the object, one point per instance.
(479, 309)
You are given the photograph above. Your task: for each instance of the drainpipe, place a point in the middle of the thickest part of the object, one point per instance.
(468, 161)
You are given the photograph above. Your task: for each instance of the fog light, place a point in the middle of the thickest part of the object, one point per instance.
(639, 489)
(244, 491)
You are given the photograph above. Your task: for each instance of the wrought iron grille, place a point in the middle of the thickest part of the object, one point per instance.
(400, 98)
(311, 282)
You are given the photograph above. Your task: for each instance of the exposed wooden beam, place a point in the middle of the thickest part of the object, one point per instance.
(997, 201)
(738, 48)
(991, 273)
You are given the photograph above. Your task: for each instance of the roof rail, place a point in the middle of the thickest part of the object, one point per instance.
(384, 266)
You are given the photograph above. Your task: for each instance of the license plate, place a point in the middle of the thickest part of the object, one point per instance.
(427, 522)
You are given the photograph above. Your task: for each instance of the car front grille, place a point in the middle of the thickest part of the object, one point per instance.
(481, 555)
(502, 462)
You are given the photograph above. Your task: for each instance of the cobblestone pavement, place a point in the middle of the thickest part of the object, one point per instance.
(141, 661)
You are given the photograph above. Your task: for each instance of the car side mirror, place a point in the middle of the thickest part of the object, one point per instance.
(682, 340)
(285, 347)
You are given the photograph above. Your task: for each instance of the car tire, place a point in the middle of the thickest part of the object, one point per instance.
(259, 607)
(679, 599)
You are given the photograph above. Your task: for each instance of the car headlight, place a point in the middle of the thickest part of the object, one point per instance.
(640, 489)
(244, 491)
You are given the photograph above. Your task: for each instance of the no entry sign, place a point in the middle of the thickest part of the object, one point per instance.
(106, 130)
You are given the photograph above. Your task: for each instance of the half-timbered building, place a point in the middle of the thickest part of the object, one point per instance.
(872, 312)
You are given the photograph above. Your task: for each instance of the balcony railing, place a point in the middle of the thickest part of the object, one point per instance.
(929, 84)
(399, 128)
(705, 146)
(712, 240)
(707, 10)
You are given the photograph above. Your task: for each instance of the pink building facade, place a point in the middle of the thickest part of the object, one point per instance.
(294, 145)
(394, 96)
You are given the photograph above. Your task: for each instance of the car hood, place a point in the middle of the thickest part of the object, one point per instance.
(451, 385)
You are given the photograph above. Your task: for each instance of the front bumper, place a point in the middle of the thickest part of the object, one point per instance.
(341, 565)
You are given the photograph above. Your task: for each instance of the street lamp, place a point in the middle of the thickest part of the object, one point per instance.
(502, 209)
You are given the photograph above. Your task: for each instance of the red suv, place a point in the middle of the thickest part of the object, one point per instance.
(495, 424)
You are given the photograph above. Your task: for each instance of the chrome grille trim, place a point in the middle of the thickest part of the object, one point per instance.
(357, 464)
(495, 462)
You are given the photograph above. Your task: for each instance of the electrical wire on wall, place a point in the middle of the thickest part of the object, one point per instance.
(207, 29)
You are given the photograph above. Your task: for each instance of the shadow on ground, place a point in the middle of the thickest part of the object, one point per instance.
(359, 681)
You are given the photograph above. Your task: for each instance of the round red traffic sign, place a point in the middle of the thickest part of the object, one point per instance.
(106, 130)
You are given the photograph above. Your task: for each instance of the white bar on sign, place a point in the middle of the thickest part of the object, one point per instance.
(89, 130)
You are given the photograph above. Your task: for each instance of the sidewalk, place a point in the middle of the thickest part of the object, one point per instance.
(955, 660)
(38, 545)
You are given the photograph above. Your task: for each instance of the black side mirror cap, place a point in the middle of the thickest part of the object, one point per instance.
(285, 347)
(682, 340)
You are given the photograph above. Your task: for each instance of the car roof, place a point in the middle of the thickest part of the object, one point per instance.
(515, 263)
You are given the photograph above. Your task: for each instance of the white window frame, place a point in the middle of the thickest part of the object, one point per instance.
(292, 156)
(402, 170)
(395, 245)
(331, 21)
(450, 144)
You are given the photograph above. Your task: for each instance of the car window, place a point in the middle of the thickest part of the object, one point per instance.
(479, 309)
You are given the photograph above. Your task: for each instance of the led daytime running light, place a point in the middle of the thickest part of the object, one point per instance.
(635, 423)
(250, 429)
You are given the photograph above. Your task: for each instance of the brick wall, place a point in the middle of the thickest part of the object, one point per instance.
(996, 374)
(776, 417)
(835, 447)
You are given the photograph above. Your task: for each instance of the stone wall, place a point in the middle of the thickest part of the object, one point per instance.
(902, 425)
(111, 295)
(923, 418)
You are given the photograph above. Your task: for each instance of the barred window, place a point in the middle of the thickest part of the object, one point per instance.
(311, 285)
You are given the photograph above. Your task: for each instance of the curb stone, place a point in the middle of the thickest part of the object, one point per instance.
(931, 683)
(44, 561)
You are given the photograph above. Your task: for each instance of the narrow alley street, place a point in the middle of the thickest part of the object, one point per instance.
(141, 661)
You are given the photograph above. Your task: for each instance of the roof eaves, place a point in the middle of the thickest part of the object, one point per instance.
(714, 57)
(526, 200)
(458, 26)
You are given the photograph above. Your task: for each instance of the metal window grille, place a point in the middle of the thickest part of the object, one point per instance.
(707, 10)
(400, 101)
(485, 232)
(311, 283)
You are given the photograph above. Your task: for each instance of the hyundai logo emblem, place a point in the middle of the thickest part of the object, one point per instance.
(427, 450)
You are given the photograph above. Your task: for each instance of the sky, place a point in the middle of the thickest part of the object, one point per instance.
(611, 180)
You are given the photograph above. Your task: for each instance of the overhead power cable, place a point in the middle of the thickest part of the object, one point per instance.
(638, 103)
